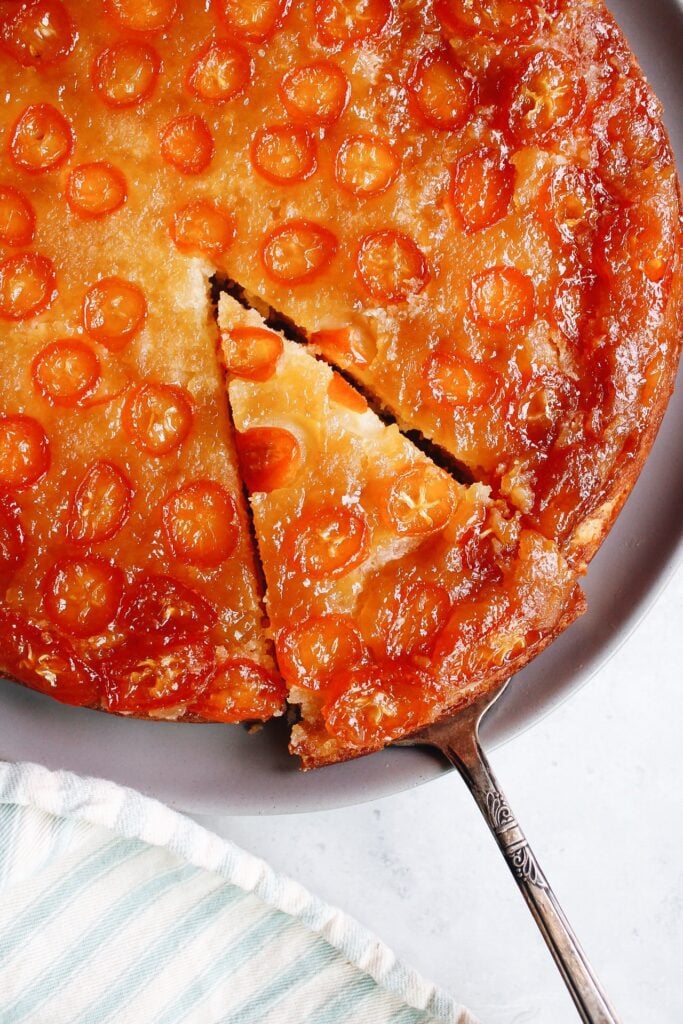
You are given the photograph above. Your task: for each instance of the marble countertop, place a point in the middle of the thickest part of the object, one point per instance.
(597, 786)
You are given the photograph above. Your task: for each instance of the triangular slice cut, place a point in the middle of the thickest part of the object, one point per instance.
(394, 593)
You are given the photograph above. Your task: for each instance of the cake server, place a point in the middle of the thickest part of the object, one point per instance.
(457, 738)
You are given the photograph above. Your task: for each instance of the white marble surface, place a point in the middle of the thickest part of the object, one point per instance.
(598, 788)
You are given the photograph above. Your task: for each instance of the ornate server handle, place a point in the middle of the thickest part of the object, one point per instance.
(458, 740)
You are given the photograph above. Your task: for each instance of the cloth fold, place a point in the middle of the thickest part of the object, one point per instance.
(113, 907)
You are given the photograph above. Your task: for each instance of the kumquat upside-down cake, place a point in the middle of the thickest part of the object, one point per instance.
(370, 486)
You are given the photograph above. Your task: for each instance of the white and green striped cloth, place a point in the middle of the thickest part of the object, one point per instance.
(114, 908)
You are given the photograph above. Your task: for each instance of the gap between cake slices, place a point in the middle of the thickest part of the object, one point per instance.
(277, 321)
(395, 593)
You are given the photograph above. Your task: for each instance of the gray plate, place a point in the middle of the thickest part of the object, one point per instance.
(220, 769)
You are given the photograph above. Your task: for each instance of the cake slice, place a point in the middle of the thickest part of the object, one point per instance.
(394, 593)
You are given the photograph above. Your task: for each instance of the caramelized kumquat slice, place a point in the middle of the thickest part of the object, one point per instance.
(82, 595)
(125, 74)
(284, 153)
(317, 93)
(313, 650)
(187, 144)
(630, 244)
(251, 352)
(157, 417)
(45, 662)
(648, 250)
(458, 380)
(200, 523)
(17, 219)
(298, 251)
(391, 266)
(406, 620)
(220, 71)
(142, 15)
(241, 690)
(202, 226)
(482, 184)
(143, 675)
(12, 536)
(570, 304)
(65, 372)
(114, 311)
(340, 391)
(41, 139)
(269, 457)
(548, 98)
(466, 628)
(101, 504)
(40, 32)
(441, 92)
(328, 542)
(94, 190)
(370, 705)
(569, 206)
(163, 608)
(254, 20)
(24, 452)
(344, 22)
(545, 399)
(502, 297)
(504, 20)
(420, 501)
(27, 286)
(635, 128)
(365, 166)
(348, 344)
(564, 481)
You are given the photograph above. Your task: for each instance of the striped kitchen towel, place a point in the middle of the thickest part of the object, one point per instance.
(114, 908)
